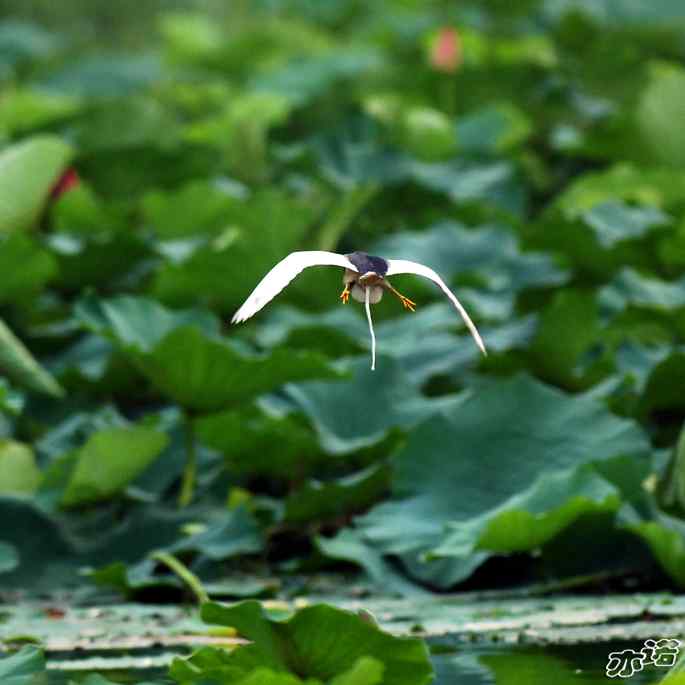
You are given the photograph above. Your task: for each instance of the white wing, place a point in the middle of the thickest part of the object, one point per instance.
(282, 274)
(402, 266)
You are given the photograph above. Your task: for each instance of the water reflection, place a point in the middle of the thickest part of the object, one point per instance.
(569, 665)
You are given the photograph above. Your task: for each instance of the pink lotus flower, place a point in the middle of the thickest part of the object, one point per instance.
(68, 180)
(445, 51)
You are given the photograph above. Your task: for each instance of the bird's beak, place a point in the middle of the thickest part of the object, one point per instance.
(370, 278)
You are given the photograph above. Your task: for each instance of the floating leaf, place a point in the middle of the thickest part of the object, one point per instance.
(303, 646)
(26, 667)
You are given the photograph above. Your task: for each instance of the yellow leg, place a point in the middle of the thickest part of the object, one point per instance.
(345, 295)
(406, 302)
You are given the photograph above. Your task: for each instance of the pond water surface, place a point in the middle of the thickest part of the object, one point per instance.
(474, 665)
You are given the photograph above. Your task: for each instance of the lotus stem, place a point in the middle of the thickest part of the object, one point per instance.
(190, 470)
(184, 573)
(342, 216)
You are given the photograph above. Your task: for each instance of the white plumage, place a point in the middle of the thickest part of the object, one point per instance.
(402, 266)
(365, 284)
(282, 274)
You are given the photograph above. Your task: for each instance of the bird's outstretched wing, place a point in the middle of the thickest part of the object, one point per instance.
(402, 266)
(284, 272)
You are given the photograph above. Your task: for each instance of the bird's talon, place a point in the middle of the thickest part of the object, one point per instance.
(408, 304)
(345, 295)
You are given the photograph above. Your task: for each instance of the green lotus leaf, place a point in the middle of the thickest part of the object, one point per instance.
(317, 500)
(26, 109)
(495, 184)
(491, 254)
(198, 207)
(40, 541)
(319, 642)
(19, 365)
(29, 169)
(19, 474)
(23, 42)
(9, 560)
(26, 667)
(138, 323)
(351, 546)
(354, 156)
(110, 460)
(256, 233)
(493, 129)
(453, 475)
(631, 288)
(26, 268)
(390, 402)
(302, 80)
(216, 374)
(615, 221)
(661, 106)
(256, 441)
(233, 534)
(106, 76)
(625, 182)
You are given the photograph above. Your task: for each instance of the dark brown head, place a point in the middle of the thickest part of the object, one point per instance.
(368, 263)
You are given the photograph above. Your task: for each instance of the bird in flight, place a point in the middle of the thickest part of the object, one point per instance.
(365, 278)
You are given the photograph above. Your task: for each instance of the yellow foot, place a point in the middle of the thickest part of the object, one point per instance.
(407, 303)
(345, 295)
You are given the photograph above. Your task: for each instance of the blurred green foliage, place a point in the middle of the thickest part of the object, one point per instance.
(158, 158)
